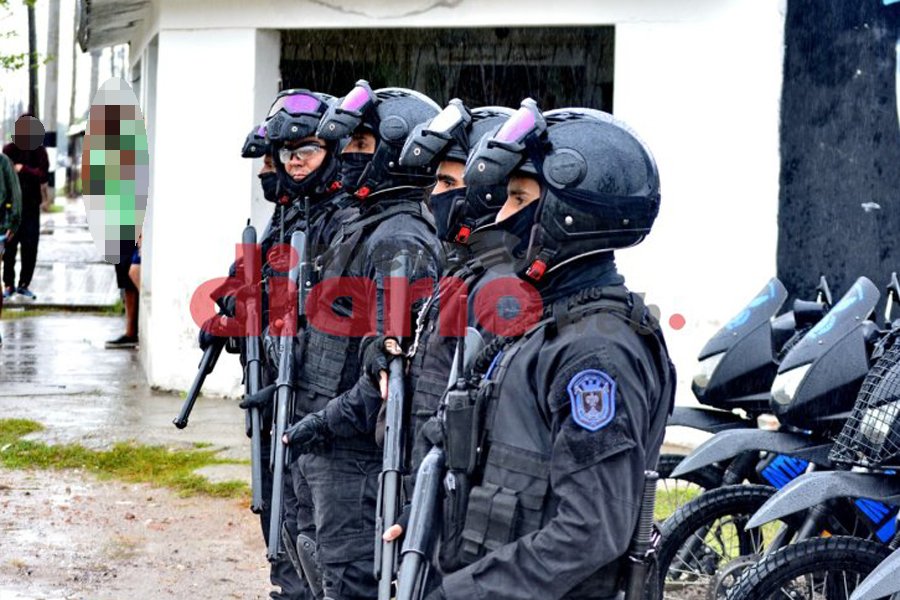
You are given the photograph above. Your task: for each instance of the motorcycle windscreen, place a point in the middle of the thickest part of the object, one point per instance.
(758, 311)
(819, 379)
(745, 365)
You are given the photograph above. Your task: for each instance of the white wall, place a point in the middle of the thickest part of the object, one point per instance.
(705, 94)
(205, 104)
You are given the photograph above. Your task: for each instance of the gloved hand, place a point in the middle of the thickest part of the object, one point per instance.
(311, 431)
(209, 331)
(376, 356)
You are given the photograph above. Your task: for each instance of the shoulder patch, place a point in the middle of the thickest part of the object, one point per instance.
(593, 397)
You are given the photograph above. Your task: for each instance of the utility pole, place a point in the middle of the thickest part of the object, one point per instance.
(50, 93)
(32, 61)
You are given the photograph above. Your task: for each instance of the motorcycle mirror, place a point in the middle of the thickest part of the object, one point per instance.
(823, 293)
(893, 296)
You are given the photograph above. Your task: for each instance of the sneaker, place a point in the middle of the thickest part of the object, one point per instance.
(7, 292)
(26, 292)
(123, 341)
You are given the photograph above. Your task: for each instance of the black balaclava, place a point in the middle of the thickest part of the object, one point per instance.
(269, 183)
(442, 206)
(352, 166)
(519, 227)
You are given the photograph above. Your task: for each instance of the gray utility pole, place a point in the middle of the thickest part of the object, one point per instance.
(32, 63)
(51, 88)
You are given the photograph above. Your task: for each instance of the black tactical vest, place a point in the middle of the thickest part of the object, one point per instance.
(510, 495)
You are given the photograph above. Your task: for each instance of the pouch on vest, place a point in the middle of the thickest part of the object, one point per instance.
(491, 520)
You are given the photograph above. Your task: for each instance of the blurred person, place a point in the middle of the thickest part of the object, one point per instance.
(10, 207)
(30, 161)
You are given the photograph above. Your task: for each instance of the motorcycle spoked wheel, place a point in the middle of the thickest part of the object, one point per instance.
(673, 493)
(814, 569)
(705, 547)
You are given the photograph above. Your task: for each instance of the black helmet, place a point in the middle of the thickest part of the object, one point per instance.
(600, 188)
(391, 114)
(295, 115)
(450, 136)
(256, 145)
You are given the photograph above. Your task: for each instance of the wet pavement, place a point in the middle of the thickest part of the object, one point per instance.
(54, 369)
(70, 271)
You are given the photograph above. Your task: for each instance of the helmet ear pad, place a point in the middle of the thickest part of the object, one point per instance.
(564, 168)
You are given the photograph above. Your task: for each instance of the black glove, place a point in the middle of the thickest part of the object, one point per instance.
(375, 358)
(260, 399)
(209, 330)
(311, 431)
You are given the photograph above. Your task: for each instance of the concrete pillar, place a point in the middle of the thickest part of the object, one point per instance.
(208, 94)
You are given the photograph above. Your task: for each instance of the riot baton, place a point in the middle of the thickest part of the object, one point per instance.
(642, 551)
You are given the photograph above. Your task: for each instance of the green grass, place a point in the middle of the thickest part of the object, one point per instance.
(126, 461)
(56, 208)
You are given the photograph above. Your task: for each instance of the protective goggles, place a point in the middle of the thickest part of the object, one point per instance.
(431, 138)
(497, 155)
(526, 121)
(343, 118)
(304, 152)
(296, 103)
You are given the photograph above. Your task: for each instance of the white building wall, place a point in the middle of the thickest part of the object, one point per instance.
(700, 80)
(200, 187)
(705, 95)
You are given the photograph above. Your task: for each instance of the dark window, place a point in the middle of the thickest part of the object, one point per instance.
(557, 66)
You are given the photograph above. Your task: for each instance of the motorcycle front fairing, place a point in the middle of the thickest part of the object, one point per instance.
(726, 445)
(813, 489)
(743, 355)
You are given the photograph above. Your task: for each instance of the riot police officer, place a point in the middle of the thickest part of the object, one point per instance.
(308, 197)
(574, 409)
(342, 472)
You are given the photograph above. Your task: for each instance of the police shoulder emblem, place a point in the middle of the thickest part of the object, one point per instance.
(593, 397)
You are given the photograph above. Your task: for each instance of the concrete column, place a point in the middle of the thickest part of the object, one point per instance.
(200, 188)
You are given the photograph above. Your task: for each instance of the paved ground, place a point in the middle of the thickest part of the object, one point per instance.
(70, 271)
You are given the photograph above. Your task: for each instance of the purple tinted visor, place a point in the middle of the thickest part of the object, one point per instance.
(296, 104)
(519, 125)
(356, 100)
(261, 132)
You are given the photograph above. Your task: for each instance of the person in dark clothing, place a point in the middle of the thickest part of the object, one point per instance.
(342, 472)
(299, 174)
(574, 409)
(476, 254)
(30, 161)
(10, 207)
